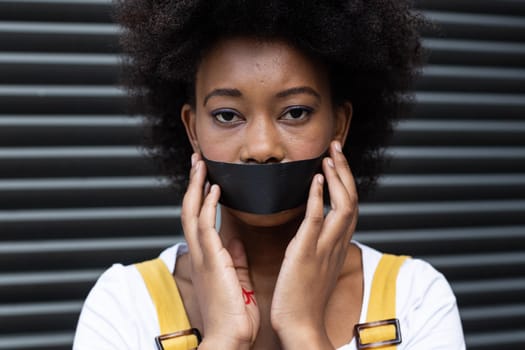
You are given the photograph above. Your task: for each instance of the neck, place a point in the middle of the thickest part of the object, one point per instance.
(265, 246)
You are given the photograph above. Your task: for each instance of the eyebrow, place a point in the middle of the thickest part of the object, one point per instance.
(282, 94)
(299, 90)
(222, 92)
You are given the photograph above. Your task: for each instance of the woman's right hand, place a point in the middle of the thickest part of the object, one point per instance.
(220, 276)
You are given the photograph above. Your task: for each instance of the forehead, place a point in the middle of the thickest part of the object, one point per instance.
(254, 63)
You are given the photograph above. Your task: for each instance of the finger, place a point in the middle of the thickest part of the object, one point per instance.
(240, 263)
(338, 221)
(191, 204)
(310, 229)
(345, 174)
(208, 237)
(343, 169)
(339, 197)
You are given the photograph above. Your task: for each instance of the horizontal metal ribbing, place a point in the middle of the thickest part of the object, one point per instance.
(85, 192)
(72, 130)
(89, 100)
(82, 184)
(466, 160)
(60, 59)
(27, 279)
(495, 340)
(36, 120)
(56, 10)
(488, 286)
(489, 291)
(61, 91)
(58, 37)
(71, 152)
(446, 240)
(464, 79)
(76, 29)
(89, 214)
(423, 126)
(433, 187)
(80, 253)
(479, 100)
(47, 68)
(468, 105)
(474, 52)
(35, 317)
(512, 7)
(488, 27)
(455, 208)
(82, 245)
(457, 152)
(492, 260)
(492, 318)
(32, 309)
(51, 340)
(45, 286)
(498, 311)
(451, 132)
(398, 215)
(449, 235)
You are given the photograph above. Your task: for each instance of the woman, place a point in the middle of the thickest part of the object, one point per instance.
(253, 87)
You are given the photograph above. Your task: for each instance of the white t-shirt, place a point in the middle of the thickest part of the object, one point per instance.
(119, 314)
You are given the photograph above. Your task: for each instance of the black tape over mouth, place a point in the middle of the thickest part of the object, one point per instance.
(264, 188)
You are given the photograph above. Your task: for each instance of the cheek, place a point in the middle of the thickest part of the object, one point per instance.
(213, 143)
(312, 141)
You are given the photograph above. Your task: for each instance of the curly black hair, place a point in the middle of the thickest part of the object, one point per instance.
(371, 48)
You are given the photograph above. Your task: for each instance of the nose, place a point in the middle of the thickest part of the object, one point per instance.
(262, 142)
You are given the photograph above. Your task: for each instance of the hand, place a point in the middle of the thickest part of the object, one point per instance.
(218, 275)
(315, 256)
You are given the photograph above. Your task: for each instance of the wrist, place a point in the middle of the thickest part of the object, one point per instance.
(221, 342)
(305, 338)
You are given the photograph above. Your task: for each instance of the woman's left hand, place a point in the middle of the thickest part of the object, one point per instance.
(314, 258)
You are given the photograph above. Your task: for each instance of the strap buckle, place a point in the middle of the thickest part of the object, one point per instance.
(381, 337)
(187, 332)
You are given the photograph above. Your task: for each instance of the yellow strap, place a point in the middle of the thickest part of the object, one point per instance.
(382, 304)
(168, 303)
(374, 334)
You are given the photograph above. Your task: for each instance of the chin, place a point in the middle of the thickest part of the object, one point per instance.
(284, 217)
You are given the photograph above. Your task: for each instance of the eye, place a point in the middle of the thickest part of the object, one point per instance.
(226, 116)
(297, 113)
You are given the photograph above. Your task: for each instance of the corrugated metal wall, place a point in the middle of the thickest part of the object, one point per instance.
(76, 194)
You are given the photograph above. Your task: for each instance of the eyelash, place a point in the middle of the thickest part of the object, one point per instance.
(218, 113)
(305, 113)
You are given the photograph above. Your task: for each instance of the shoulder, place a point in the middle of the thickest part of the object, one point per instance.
(109, 317)
(427, 308)
(416, 279)
(425, 304)
(118, 312)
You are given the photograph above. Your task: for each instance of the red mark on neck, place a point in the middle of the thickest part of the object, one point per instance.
(248, 296)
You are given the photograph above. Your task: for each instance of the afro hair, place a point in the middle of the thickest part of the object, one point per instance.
(371, 49)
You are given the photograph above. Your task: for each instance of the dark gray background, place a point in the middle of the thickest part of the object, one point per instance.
(76, 195)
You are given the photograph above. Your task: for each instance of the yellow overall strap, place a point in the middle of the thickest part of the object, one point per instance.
(168, 303)
(381, 325)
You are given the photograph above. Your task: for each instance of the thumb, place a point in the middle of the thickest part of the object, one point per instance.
(240, 263)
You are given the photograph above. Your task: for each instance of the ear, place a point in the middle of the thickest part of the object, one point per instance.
(343, 118)
(187, 115)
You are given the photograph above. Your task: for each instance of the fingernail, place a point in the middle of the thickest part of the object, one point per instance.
(330, 163)
(197, 165)
(193, 159)
(338, 147)
(320, 178)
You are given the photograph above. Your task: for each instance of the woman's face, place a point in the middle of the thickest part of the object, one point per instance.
(260, 102)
